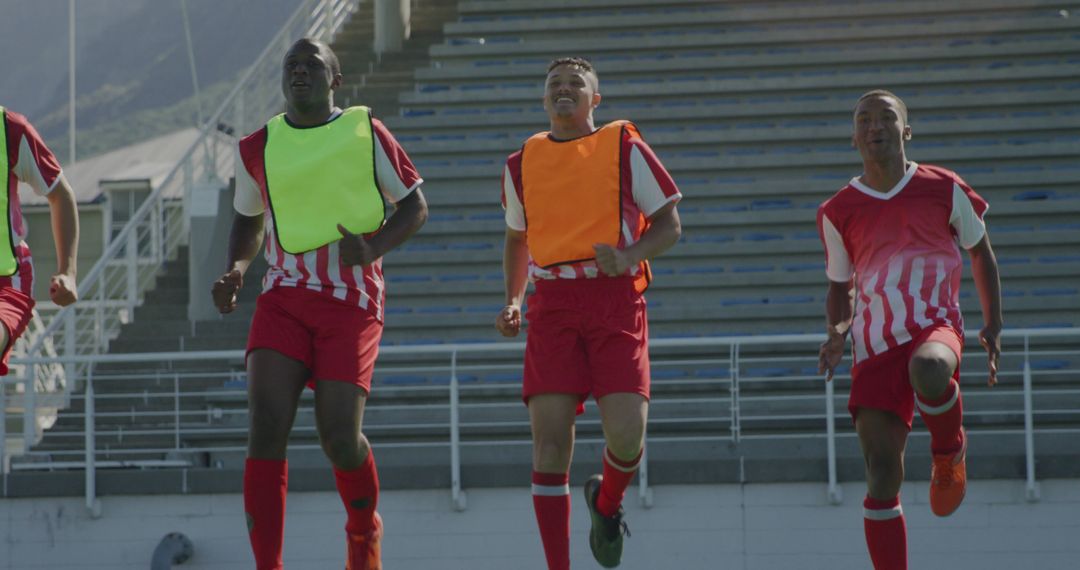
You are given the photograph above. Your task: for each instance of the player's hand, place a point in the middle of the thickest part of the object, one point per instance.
(225, 290)
(62, 289)
(990, 338)
(355, 250)
(509, 321)
(830, 355)
(612, 261)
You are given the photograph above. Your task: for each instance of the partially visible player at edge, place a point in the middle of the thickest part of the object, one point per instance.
(891, 240)
(586, 209)
(24, 156)
(314, 180)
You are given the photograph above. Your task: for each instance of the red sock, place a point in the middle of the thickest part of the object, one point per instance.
(359, 490)
(943, 417)
(617, 476)
(551, 501)
(265, 484)
(886, 535)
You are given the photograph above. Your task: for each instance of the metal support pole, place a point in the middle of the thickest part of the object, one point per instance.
(71, 82)
(176, 409)
(736, 422)
(29, 408)
(132, 264)
(645, 494)
(1032, 487)
(93, 504)
(99, 314)
(69, 351)
(457, 495)
(835, 495)
(3, 428)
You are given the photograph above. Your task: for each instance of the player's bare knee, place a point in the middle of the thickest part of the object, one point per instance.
(884, 475)
(344, 447)
(551, 455)
(930, 374)
(625, 445)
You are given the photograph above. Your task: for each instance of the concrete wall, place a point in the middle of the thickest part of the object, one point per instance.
(751, 527)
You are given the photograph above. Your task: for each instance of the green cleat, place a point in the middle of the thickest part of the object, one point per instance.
(606, 536)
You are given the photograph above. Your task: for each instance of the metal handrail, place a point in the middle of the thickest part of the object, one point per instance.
(454, 351)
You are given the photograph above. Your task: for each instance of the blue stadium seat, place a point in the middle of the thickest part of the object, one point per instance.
(667, 373)
(752, 268)
(761, 236)
(408, 278)
(701, 269)
(713, 372)
(447, 277)
(438, 309)
(768, 371)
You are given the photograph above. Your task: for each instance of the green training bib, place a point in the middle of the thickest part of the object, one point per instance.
(322, 176)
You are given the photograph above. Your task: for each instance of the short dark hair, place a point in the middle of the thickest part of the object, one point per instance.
(885, 93)
(576, 61)
(325, 49)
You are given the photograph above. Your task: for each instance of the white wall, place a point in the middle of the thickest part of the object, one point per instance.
(752, 527)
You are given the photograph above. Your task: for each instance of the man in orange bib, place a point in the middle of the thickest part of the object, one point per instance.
(586, 209)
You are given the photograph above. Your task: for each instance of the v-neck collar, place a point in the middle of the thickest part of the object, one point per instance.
(856, 184)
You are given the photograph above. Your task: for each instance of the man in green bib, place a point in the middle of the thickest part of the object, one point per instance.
(323, 174)
(25, 158)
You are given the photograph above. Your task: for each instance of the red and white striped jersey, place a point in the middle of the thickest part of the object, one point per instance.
(29, 161)
(901, 248)
(320, 269)
(646, 188)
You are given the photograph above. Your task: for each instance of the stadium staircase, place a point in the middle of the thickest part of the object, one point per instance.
(749, 106)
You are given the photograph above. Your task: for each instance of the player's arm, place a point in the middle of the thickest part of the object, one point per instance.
(838, 299)
(64, 214)
(838, 313)
(409, 215)
(515, 281)
(984, 270)
(245, 237)
(663, 231)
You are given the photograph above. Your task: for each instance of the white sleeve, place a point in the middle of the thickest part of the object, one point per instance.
(970, 228)
(515, 213)
(838, 263)
(649, 195)
(247, 199)
(393, 188)
(27, 170)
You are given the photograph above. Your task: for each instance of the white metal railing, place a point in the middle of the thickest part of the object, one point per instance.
(732, 365)
(113, 288)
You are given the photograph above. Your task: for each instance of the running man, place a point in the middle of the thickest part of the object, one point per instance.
(24, 157)
(892, 241)
(313, 182)
(586, 209)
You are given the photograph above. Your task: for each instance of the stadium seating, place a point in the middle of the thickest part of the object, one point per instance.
(749, 106)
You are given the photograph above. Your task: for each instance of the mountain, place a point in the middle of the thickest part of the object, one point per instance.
(133, 77)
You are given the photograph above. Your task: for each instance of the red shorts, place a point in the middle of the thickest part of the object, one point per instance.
(334, 340)
(586, 336)
(883, 382)
(16, 310)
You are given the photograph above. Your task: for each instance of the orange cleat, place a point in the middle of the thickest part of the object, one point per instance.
(365, 550)
(948, 480)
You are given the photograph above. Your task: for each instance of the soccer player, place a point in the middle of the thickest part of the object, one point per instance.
(892, 241)
(313, 182)
(586, 209)
(24, 156)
